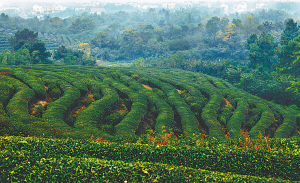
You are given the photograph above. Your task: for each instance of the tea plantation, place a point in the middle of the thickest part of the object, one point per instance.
(116, 124)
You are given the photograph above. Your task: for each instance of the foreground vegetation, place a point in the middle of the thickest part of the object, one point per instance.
(39, 159)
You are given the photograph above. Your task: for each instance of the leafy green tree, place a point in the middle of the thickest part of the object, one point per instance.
(213, 26)
(289, 61)
(250, 25)
(4, 17)
(80, 25)
(27, 39)
(56, 23)
(139, 62)
(252, 39)
(131, 44)
(262, 52)
(266, 27)
(63, 52)
(102, 40)
(39, 52)
(115, 30)
(290, 32)
(20, 57)
(179, 44)
(22, 37)
(224, 22)
(289, 45)
(237, 22)
(71, 57)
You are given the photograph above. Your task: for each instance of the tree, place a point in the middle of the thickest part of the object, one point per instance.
(262, 51)
(72, 57)
(27, 39)
(179, 44)
(63, 52)
(250, 25)
(102, 40)
(213, 26)
(87, 59)
(4, 17)
(80, 25)
(56, 23)
(224, 23)
(252, 39)
(115, 29)
(20, 57)
(266, 27)
(23, 37)
(40, 53)
(290, 31)
(289, 45)
(131, 44)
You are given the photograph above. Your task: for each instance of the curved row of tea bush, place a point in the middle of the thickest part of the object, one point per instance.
(18, 104)
(35, 84)
(165, 115)
(130, 123)
(239, 116)
(56, 110)
(6, 91)
(188, 120)
(87, 119)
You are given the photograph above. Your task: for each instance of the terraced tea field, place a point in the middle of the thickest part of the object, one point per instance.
(110, 124)
(114, 102)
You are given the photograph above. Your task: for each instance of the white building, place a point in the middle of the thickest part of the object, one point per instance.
(16, 9)
(225, 6)
(241, 7)
(79, 8)
(148, 6)
(206, 4)
(261, 6)
(169, 5)
(98, 11)
(38, 8)
(60, 8)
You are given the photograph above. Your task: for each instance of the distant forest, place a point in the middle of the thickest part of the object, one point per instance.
(195, 32)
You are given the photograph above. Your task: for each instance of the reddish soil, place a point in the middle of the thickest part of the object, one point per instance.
(227, 103)
(148, 87)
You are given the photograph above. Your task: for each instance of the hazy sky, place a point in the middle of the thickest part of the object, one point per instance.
(141, 1)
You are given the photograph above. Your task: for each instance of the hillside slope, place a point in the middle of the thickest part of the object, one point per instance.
(116, 102)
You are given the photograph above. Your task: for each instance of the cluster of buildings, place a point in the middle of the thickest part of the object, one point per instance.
(93, 7)
(229, 7)
(48, 9)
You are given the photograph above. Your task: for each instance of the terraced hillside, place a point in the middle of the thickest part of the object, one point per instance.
(113, 103)
(52, 41)
(4, 35)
